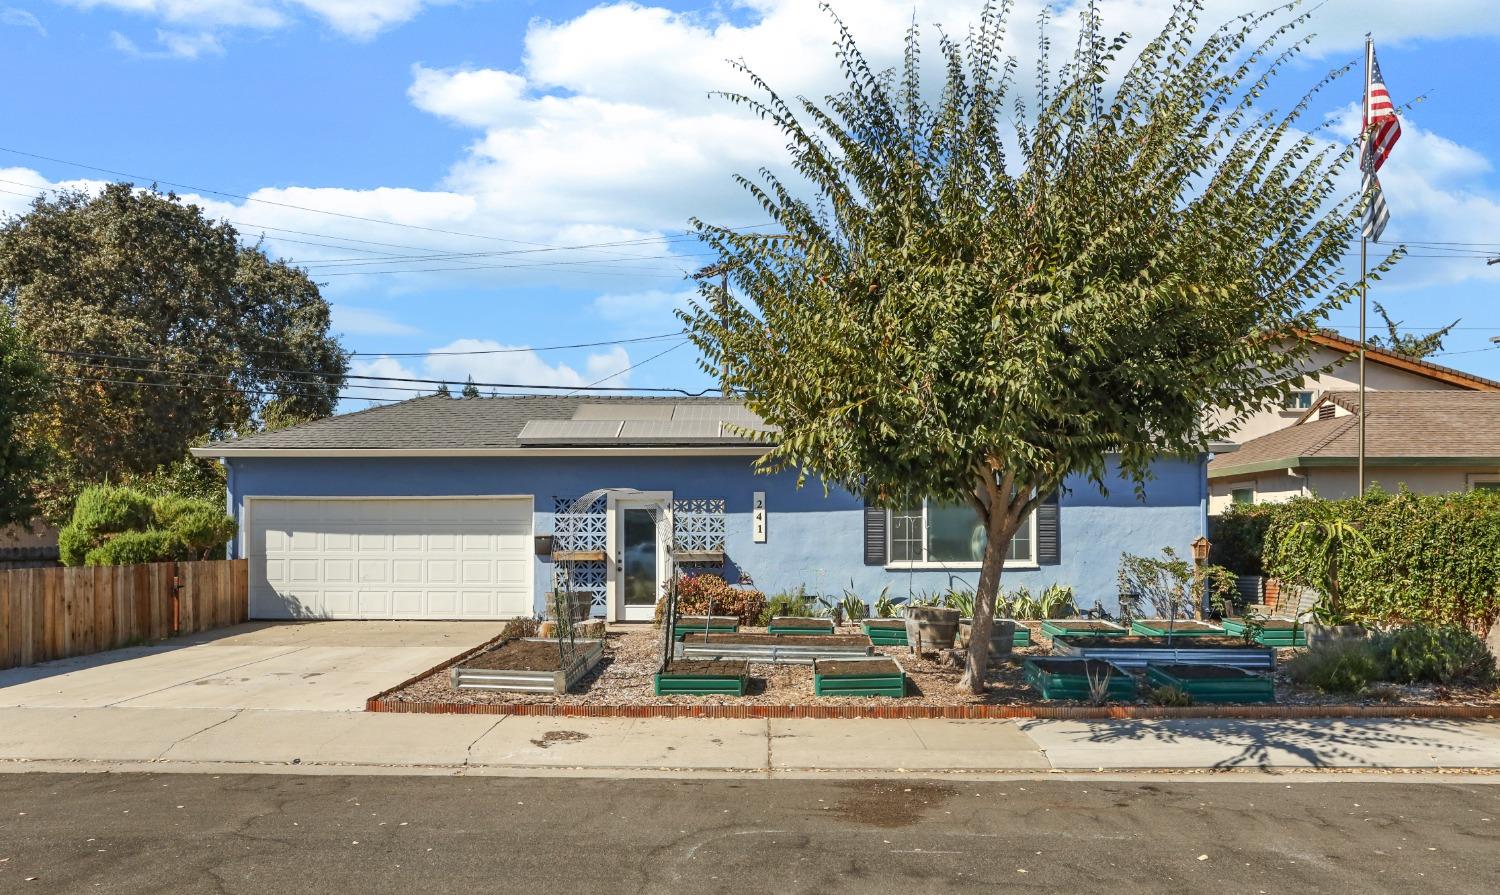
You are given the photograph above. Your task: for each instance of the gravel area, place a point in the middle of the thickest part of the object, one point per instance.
(624, 677)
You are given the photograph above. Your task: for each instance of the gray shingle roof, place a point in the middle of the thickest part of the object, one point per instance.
(435, 422)
(1410, 425)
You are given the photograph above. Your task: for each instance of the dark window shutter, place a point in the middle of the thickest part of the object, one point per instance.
(875, 522)
(1049, 532)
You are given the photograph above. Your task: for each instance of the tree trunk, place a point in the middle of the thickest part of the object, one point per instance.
(1001, 523)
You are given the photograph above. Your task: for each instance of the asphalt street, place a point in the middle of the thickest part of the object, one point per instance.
(169, 833)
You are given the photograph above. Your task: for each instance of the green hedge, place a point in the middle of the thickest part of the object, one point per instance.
(1428, 558)
(114, 525)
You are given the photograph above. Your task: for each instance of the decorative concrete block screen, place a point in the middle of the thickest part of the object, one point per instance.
(698, 525)
(50, 614)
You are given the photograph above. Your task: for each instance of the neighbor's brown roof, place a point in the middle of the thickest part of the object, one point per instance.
(1405, 362)
(1399, 425)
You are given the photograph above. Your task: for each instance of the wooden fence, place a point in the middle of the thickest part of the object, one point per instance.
(56, 613)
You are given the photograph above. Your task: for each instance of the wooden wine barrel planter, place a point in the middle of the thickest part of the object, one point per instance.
(1002, 638)
(931, 627)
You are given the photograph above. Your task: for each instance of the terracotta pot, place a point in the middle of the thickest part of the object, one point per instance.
(1002, 638)
(931, 627)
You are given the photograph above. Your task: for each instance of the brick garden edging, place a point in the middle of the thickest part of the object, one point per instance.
(381, 702)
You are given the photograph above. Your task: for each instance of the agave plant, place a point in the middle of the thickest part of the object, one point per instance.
(1057, 602)
(960, 599)
(853, 607)
(885, 607)
(1023, 605)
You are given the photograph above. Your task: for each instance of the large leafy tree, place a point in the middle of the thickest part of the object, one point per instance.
(159, 328)
(1409, 344)
(23, 387)
(976, 296)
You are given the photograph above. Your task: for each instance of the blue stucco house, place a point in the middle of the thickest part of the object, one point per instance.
(470, 508)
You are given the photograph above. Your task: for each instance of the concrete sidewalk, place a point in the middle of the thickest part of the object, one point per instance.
(169, 738)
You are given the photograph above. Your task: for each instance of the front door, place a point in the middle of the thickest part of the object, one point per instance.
(639, 557)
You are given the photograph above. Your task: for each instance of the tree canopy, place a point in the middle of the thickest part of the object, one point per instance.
(1409, 344)
(975, 294)
(22, 388)
(157, 329)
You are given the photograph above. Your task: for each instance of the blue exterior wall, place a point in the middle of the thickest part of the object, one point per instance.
(812, 539)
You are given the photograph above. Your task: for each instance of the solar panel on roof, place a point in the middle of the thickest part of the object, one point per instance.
(623, 411)
(569, 431)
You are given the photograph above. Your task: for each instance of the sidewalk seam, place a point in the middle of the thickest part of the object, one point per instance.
(469, 749)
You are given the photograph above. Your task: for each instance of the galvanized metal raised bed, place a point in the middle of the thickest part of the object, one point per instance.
(1081, 627)
(1254, 658)
(1051, 678)
(1183, 627)
(881, 682)
(801, 653)
(1230, 685)
(886, 631)
(587, 654)
(1293, 634)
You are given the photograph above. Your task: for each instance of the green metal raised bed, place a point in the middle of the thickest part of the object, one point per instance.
(799, 626)
(886, 631)
(1059, 678)
(1282, 633)
(1081, 627)
(1023, 636)
(718, 624)
(878, 676)
(1213, 683)
(1182, 627)
(702, 678)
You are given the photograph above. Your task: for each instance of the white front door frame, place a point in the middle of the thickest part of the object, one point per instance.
(615, 561)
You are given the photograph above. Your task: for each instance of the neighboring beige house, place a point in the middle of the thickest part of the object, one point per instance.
(1384, 370)
(1428, 440)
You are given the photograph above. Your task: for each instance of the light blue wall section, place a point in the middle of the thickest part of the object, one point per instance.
(811, 538)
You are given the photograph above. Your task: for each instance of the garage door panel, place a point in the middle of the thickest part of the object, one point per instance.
(414, 558)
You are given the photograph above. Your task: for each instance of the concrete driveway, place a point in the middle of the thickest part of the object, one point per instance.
(319, 666)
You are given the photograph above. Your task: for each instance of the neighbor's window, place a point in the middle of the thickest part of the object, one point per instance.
(1299, 400)
(1242, 496)
(951, 534)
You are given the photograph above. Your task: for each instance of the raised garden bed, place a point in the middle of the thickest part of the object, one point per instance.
(1057, 678)
(778, 648)
(877, 676)
(527, 665)
(1282, 633)
(1182, 627)
(1213, 683)
(1081, 627)
(702, 676)
(718, 624)
(1137, 652)
(886, 631)
(796, 625)
(1022, 638)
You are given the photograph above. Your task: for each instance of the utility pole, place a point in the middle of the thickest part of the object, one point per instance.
(721, 304)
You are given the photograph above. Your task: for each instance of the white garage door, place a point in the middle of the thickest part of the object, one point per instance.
(432, 558)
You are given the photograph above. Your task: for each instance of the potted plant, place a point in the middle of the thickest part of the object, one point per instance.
(930, 626)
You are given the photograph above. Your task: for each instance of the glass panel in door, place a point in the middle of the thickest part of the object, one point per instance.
(640, 563)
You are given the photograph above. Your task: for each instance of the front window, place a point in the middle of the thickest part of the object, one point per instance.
(1299, 400)
(1242, 496)
(951, 535)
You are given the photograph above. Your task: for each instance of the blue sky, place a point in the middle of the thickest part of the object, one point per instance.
(531, 125)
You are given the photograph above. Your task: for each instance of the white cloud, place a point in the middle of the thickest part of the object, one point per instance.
(358, 19)
(365, 322)
(21, 18)
(516, 364)
(639, 312)
(174, 45)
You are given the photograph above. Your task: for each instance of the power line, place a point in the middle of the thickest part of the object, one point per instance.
(637, 364)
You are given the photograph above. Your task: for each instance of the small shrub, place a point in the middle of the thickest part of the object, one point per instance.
(1057, 602)
(960, 599)
(705, 593)
(885, 607)
(520, 627)
(1432, 654)
(1342, 666)
(1170, 695)
(130, 548)
(793, 603)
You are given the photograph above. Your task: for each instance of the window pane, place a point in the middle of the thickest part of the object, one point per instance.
(1020, 544)
(906, 535)
(1242, 496)
(954, 534)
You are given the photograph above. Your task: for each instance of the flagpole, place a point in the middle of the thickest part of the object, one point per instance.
(1363, 283)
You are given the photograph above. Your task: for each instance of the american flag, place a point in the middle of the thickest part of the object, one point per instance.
(1382, 127)
(1382, 130)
